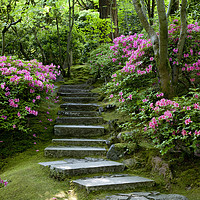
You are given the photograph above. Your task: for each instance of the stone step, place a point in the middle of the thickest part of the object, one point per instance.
(75, 167)
(76, 151)
(79, 99)
(80, 106)
(79, 120)
(78, 130)
(86, 94)
(79, 142)
(78, 113)
(153, 195)
(113, 183)
(72, 90)
(77, 86)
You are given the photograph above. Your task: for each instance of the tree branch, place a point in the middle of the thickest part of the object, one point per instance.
(11, 24)
(169, 7)
(183, 31)
(181, 43)
(147, 26)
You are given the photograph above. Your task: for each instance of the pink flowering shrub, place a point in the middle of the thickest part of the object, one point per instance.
(110, 58)
(174, 124)
(103, 62)
(190, 62)
(22, 85)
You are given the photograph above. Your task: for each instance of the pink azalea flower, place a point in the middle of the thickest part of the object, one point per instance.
(187, 121)
(151, 58)
(184, 132)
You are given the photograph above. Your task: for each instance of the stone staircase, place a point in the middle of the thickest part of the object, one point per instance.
(78, 133)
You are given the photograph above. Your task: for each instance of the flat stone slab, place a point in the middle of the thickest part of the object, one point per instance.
(80, 94)
(62, 171)
(79, 99)
(77, 86)
(74, 151)
(146, 196)
(78, 130)
(72, 90)
(80, 106)
(79, 120)
(114, 183)
(48, 164)
(79, 142)
(78, 113)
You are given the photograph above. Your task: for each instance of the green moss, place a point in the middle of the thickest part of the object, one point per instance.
(79, 74)
(27, 180)
(128, 148)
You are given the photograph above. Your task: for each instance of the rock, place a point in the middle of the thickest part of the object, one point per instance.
(110, 107)
(161, 167)
(113, 126)
(114, 154)
(131, 163)
(101, 110)
(123, 135)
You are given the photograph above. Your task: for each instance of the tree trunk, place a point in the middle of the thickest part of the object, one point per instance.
(5, 29)
(67, 61)
(23, 51)
(59, 46)
(108, 9)
(160, 46)
(60, 50)
(114, 16)
(181, 43)
(3, 44)
(104, 9)
(169, 8)
(152, 11)
(163, 66)
(40, 47)
(151, 33)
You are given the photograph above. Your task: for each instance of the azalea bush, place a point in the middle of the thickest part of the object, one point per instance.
(173, 125)
(23, 85)
(107, 59)
(135, 87)
(103, 62)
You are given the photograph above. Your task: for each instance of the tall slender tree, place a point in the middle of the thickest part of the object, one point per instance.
(168, 76)
(108, 9)
(68, 59)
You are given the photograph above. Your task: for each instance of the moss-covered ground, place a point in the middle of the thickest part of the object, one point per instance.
(27, 180)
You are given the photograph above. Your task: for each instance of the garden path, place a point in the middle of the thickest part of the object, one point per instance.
(78, 141)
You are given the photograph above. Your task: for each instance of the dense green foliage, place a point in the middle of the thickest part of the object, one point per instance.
(172, 125)
(39, 31)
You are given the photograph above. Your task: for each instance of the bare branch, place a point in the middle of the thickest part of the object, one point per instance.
(183, 31)
(11, 24)
(181, 43)
(169, 7)
(147, 26)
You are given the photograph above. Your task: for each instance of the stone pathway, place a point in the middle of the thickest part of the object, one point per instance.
(77, 137)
